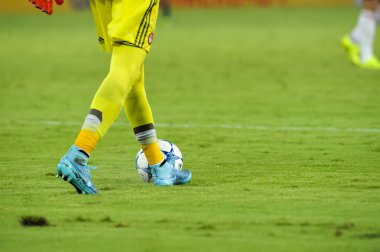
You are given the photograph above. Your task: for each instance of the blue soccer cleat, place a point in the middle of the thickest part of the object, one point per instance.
(165, 174)
(73, 168)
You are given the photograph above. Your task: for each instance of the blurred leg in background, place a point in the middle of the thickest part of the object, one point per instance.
(80, 4)
(166, 8)
(360, 42)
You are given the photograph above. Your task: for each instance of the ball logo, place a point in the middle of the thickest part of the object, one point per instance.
(150, 38)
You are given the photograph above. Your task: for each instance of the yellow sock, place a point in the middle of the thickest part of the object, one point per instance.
(87, 140)
(146, 136)
(153, 153)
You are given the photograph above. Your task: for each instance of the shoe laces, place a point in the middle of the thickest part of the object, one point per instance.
(84, 169)
(170, 158)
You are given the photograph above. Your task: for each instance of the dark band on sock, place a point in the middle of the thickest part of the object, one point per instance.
(163, 162)
(85, 153)
(96, 113)
(143, 128)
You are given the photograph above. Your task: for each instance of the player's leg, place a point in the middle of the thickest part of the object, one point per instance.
(128, 54)
(111, 95)
(133, 24)
(364, 32)
(359, 43)
(125, 69)
(140, 117)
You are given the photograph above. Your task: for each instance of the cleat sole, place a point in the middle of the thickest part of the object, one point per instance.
(79, 191)
(163, 182)
(184, 181)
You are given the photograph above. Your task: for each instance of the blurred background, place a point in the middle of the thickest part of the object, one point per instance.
(279, 129)
(20, 6)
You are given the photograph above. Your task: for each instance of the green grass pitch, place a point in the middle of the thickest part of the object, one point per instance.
(281, 133)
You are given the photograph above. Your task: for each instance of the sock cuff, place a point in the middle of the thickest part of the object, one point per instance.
(145, 134)
(91, 123)
(147, 137)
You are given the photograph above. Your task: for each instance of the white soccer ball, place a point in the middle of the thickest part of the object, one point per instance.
(169, 149)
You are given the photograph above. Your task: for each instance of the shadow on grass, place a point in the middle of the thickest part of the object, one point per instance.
(34, 221)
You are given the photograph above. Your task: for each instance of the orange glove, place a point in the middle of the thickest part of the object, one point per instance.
(45, 5)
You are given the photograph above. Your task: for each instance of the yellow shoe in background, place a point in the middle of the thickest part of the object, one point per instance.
(371, 63)
(352, 49)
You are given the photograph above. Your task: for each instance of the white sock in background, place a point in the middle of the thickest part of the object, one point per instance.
(364, 33)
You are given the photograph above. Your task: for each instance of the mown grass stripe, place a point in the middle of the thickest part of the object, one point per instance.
(203, 126)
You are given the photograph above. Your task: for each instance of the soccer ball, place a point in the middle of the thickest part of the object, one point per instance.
(169, 149)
